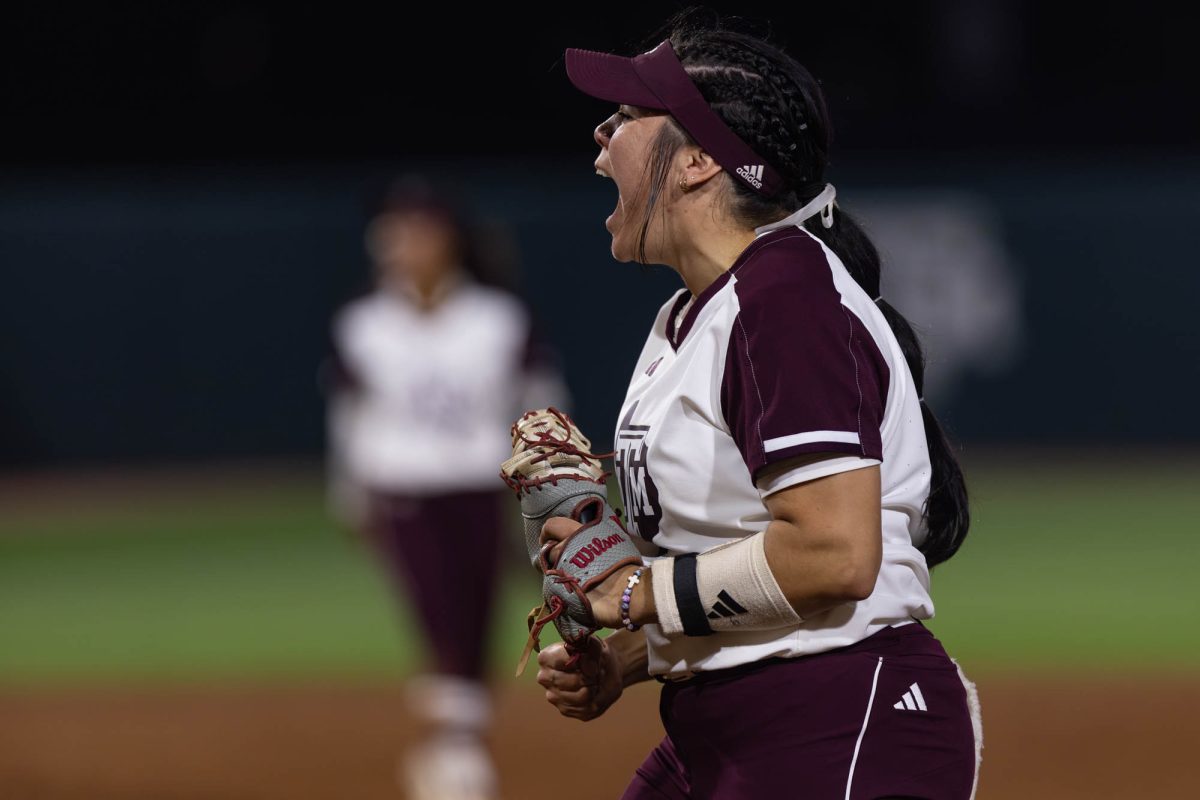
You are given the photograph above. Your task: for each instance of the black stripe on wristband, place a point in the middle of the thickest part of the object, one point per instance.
(687, 597)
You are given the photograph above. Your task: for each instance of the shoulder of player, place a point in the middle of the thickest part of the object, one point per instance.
(495, 297)
(781, 269)
(356, 309)
(497, 308)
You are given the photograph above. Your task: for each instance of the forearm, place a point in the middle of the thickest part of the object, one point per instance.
(630, 651)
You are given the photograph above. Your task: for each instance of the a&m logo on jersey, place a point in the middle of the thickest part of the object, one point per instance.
(633, 473)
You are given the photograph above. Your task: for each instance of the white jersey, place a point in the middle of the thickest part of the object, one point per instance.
(428, 396)
(784, 354)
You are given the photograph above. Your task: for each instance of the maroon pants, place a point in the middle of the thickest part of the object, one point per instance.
(886, 717)
(443, 551)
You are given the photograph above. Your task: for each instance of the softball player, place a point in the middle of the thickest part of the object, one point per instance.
(433, 365)
(790, 487)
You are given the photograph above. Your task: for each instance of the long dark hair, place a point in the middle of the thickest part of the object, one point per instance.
(776, 106)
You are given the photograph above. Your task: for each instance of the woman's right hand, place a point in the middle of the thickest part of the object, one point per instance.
(586, 689)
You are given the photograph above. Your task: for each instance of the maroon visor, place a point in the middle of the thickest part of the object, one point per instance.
(656, 79)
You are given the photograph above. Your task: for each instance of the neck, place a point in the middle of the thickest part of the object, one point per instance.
(431, 292)
(707, 251)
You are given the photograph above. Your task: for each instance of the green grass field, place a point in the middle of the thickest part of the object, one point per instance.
(1070, 563)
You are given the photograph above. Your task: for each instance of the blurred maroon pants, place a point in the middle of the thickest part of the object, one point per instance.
(442, 551)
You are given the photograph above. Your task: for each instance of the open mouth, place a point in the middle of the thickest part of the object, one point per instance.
(616, 212)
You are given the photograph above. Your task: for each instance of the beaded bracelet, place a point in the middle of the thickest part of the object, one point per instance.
(634, 580)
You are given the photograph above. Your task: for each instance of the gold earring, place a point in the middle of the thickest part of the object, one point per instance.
(685, 183)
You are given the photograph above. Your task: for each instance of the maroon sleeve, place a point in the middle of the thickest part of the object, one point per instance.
(802, 372)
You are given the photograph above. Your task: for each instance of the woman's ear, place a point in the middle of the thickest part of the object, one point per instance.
(697, 167)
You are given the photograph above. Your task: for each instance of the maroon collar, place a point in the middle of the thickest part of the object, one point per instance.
(676, 337)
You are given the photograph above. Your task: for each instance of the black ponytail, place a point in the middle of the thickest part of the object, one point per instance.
(776, 106)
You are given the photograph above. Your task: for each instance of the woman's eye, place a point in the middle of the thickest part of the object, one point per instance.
(623, 115)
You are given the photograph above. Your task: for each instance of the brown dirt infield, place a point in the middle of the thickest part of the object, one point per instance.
(1044, 737)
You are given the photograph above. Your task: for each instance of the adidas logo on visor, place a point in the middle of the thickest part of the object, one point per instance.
(752, 173)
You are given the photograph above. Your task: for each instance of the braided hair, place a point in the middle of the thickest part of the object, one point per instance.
(776, 106)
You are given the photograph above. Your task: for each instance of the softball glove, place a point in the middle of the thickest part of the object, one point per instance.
(554, 474)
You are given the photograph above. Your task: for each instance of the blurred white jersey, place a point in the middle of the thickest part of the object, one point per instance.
(427, 397)
(783, 355)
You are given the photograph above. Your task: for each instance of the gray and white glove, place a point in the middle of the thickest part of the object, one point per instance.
(554, 474)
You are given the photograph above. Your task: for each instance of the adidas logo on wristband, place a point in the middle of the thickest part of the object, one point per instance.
(725, 606)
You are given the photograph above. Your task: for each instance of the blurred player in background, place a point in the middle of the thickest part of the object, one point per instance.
(427, 372)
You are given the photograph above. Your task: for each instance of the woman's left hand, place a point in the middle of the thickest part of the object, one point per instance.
(605, 597)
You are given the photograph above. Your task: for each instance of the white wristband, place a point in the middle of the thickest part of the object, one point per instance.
(729, 587)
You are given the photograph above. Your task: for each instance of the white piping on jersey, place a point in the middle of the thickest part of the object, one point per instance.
(854, 358)
(780, 442)
(863, 731)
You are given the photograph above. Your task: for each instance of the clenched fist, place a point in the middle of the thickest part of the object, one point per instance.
(588, 687)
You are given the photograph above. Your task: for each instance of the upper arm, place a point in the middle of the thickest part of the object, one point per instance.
(852, 494)
(837, 513)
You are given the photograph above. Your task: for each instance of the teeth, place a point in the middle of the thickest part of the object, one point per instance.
(602, 172)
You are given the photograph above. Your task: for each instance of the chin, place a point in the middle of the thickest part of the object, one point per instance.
(617, 249)
(620, 254)
(624, 247)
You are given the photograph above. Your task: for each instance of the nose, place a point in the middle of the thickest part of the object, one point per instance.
(603, 132)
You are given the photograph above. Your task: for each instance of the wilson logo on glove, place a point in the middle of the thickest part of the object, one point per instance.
(596, 547)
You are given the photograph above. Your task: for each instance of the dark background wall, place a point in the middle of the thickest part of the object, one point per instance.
(181, 187)
(150, 83)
